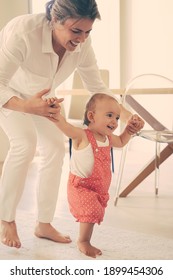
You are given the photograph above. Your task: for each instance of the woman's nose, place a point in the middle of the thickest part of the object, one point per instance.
(82, 37)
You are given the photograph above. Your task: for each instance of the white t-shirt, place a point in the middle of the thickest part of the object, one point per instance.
(28, 63)
(82, 161)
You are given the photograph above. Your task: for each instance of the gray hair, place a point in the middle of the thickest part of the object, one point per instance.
(61, 10)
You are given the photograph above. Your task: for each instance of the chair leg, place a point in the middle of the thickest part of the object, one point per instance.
(157, 165)
(120, 173)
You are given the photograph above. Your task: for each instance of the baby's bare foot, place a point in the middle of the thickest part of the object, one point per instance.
(9, 236)
(86, 248)
(46, 230)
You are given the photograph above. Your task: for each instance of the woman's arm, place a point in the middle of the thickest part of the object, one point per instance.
(35, 105)
(75, 133)
(68, 129)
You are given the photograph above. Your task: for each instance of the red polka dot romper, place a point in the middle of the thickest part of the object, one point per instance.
(88, 197)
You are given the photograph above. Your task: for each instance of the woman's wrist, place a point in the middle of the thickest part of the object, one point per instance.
(129, 131)
(16, 104)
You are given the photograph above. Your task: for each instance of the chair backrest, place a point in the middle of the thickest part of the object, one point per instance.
(151, 96)
(78, 102)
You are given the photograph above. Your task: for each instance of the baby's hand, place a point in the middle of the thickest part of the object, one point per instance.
(135, 124)
(53, 101)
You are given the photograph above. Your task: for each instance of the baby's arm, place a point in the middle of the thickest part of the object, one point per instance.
(121, 140)
(75, 133)
(125, 136)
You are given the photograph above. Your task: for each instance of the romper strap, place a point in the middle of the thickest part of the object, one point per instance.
(91, 138)
(110, 141)
(94, 145)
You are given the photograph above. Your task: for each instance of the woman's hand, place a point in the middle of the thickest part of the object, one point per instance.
(37, 105)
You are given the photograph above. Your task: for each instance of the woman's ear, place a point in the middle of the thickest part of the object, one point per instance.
(90, 116)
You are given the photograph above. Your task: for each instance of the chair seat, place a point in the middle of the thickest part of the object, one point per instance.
(162, 136)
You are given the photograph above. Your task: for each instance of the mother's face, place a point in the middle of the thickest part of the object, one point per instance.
(72, 32)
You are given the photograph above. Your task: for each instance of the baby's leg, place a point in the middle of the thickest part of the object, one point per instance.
(83, 242)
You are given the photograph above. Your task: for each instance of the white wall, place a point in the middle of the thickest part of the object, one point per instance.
(12, 8)
(38, 6)
(105, 39)
(146, 37)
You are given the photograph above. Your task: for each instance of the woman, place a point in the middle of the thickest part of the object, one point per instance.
(39, 52)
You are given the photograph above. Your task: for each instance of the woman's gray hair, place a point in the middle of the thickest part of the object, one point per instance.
(61, 10)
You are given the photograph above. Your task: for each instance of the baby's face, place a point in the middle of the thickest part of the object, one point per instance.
(106, 115)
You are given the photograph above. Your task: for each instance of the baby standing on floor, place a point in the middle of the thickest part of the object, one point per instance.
(90, 174)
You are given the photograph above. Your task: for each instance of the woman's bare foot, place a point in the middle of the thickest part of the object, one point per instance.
(86, 248)
(9, 236)
(46, 230)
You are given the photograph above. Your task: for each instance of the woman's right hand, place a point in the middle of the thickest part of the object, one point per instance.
(37, 105)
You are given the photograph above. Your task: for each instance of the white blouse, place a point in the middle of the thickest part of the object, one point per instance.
(28, 63)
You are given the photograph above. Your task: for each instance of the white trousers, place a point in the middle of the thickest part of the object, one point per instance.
(25, 133)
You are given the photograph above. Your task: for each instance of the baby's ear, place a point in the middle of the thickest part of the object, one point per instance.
(90, 116)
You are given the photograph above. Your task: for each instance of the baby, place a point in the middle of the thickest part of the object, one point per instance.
(90, 172)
